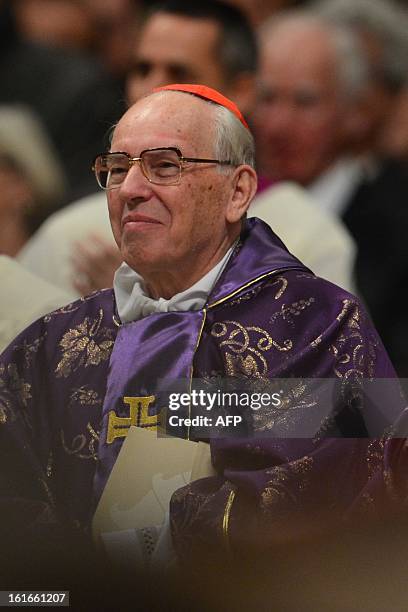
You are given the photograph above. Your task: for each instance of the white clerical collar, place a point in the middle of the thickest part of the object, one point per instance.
(133, 303)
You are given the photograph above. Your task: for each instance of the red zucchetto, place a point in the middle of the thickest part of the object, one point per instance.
(207, 93)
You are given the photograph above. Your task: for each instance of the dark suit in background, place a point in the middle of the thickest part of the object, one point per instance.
(377, 217)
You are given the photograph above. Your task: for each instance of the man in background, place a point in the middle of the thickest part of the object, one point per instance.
(382, 29)
(311, 124)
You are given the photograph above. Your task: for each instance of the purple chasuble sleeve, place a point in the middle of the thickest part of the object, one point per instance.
(52, 385)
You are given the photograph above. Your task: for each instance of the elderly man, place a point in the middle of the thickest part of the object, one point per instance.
(212, 43)
(209, 42)
(203, 293)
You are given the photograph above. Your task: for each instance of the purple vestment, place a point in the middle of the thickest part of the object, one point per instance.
(63, 417)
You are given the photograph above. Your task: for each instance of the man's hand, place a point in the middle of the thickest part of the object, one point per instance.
(94, 262)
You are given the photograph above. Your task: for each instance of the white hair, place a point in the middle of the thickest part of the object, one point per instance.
(352, 63)
(233, 142)
(385, 21)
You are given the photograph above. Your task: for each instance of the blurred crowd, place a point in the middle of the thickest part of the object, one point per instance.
(322, 83)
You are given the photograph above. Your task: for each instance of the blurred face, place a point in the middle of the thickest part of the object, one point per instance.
(16, 197)
(116, 24)
(170, 229)
(300, 122)
(175, 49)
(55, 22)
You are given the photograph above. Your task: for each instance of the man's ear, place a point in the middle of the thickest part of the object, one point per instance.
(244, 185)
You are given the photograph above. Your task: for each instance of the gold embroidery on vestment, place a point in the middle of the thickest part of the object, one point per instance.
(289, 311)
(30, 350)
(87, 344)
(375, 453)
(226, 521)
(240, 340)
(284, 284)
(50, 464)
(85, 396)
(286, 482)
(344, 310)
(13, 387)
(315, 343)
(237, 291)
(118, 427)
(82, 446)
(350, 348)
(72, 306)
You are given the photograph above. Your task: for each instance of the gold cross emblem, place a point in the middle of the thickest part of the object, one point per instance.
(138, 415)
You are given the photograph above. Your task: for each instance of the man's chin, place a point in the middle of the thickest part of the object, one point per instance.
(144, 262)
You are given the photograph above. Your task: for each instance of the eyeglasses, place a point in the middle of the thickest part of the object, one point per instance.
(161, 166)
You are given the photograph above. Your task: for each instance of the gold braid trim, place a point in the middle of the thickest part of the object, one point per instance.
(226, 520)
(243, 287)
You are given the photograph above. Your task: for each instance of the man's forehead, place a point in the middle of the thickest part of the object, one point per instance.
(183, 112)
(175, 104)
(316, 66)
(287, 37)
(176, 39)
(173, 33)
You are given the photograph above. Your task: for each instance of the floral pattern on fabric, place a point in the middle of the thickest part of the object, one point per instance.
(87, 344)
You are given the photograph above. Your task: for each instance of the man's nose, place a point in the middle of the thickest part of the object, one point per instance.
(135, 185)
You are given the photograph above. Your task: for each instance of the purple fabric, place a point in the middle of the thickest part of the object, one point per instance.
(267, 317)
(159, 346)
(248, 266)
(388, 489)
